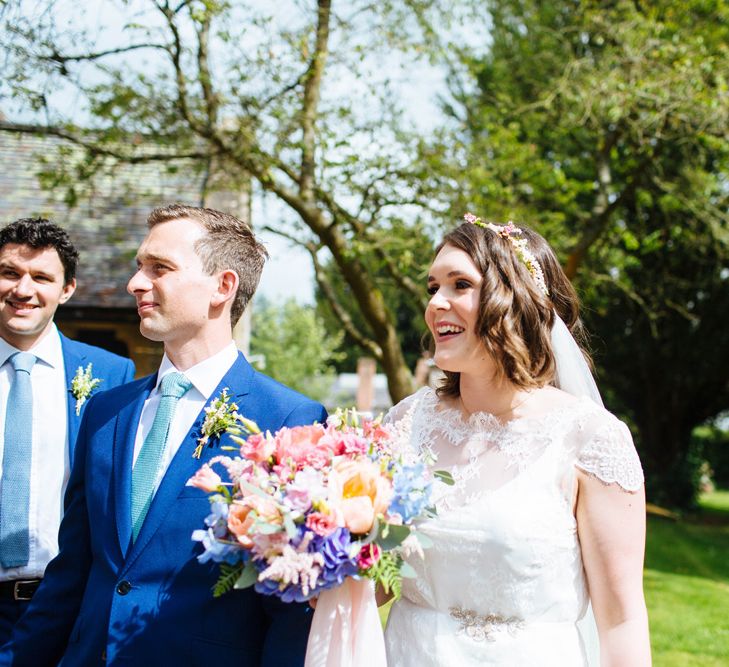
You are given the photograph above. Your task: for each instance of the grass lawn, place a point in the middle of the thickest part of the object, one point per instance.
(687, 586)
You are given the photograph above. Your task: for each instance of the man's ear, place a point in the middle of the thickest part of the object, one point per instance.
(68, 289)
(228, 282)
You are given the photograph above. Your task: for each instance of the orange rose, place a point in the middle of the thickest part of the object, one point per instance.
(360, 492)
(241, 517)
(239, 522)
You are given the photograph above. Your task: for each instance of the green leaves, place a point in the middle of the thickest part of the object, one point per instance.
(392, 536)
(290, 343)
(229, 574)
(444, 476)
(387, 572)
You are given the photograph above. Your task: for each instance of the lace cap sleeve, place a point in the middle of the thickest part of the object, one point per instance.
(609, 454)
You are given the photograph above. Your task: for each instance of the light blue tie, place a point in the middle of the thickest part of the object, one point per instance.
(17, 455)
(144, 474)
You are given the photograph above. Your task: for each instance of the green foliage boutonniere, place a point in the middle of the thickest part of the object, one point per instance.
(82, 385)
(220, 416)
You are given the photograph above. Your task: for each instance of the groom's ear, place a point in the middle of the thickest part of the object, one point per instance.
(228, 282)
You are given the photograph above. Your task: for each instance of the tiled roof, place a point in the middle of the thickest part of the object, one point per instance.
(109, 221)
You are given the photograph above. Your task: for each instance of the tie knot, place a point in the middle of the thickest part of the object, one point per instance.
(23, 361)
(174, 384)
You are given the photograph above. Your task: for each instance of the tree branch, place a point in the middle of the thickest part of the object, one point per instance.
(94, 148)
(175, 52)
(312, 90)
(601, 217)
(206, 82)
(362, 230)
(325, 286)
(62, 60)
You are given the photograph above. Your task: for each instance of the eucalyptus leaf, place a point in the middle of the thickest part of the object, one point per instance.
(253, 489)
(248, 577)
(392, 536)
(289, 525)
(445, 477)
(407, 571)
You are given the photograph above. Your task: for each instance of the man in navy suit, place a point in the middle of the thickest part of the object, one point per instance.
(126, 588)
(37, 273)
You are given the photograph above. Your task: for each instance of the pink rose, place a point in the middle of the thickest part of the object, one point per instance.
(301, 445)
(343, 443)
(369, 554)
(360, 492)
(376, 431)
(258, 448)
(206, 479)
(320, 523)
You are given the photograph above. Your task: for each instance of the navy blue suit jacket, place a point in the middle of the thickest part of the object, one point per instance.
(106, 600)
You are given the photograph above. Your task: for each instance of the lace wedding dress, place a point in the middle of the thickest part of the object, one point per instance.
(503, 582)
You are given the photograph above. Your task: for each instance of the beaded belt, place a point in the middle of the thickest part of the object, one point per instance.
(483, 627)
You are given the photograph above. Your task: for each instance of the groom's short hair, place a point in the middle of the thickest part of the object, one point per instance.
(228, 244)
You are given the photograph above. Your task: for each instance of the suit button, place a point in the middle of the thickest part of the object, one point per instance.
(123, 587)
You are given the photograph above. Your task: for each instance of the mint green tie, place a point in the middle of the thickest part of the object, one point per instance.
(173, 387)
(17, 450)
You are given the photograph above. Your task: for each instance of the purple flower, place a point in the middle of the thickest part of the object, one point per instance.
(288, 594)
(338, 563)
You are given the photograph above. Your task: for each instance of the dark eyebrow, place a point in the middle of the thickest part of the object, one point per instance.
(154, 258)
(450, 274)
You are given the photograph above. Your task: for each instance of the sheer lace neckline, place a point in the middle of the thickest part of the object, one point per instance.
(482, 420)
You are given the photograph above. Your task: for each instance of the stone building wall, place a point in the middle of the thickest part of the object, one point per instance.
(107, 224)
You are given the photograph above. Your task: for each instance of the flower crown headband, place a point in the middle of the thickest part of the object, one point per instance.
(510, 232)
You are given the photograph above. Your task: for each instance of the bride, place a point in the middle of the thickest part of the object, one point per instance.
(547, 513)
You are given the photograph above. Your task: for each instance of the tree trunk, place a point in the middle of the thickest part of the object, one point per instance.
(669, 462)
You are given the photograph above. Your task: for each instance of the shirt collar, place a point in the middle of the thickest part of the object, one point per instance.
(206, 375)
(48, 349)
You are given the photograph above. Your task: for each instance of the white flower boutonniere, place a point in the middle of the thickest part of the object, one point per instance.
(82, 385)
(220, 416)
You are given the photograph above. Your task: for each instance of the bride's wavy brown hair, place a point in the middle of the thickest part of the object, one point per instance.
(515, 317)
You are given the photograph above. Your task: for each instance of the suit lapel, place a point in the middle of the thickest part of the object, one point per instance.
(125, 435)
(183, 464)
(72, 359)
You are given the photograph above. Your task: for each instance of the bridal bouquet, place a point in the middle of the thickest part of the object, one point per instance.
(309, 506)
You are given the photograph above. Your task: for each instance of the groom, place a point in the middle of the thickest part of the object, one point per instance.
(126, 588)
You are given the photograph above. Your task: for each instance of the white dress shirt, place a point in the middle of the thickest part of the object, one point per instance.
(205, 377)
(49, 468)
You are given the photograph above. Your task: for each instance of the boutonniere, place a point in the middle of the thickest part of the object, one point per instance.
(82, 385)
(220, 416)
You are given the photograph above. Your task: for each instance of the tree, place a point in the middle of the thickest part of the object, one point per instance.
(413, 248)
(290, 343)
(252, 90)
(605, 125)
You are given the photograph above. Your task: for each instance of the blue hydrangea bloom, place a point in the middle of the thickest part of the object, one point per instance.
(411, 492)
(215, 550)
(217, 520)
